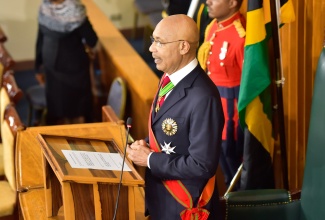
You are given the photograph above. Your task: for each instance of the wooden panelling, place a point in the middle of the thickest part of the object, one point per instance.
(301, 43)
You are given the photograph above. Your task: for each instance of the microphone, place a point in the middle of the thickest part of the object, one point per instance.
(128, 126)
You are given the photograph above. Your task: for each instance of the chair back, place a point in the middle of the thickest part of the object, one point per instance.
(9, 82)
(5, 59)
(313, 191)
(9, 92)
(2, 69)
(117, 97)
(3, 37)
(9, 128)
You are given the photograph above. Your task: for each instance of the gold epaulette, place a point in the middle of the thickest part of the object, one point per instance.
(207, 29)
(239, 27)
(203, 54)
(204, 49)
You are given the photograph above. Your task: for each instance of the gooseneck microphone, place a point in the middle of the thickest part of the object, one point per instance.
(128, 126)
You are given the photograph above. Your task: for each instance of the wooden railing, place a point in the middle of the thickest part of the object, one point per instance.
(118, 58)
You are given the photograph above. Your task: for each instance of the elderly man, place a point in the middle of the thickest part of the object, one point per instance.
(185, 128)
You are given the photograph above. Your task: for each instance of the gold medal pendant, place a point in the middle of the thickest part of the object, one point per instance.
(157, 105)
(169, 126)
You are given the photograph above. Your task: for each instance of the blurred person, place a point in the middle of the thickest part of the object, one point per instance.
(64, 31)
(181, 154)
(221, 56)
(173, 7)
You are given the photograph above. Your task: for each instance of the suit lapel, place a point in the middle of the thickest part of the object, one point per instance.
(177, 94)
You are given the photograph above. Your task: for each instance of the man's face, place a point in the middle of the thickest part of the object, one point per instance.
(165, 49)
(219, 9)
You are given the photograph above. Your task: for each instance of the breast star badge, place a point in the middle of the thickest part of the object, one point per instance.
(167, 148)
(169, 126)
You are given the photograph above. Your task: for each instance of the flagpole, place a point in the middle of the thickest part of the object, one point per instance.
(234, 180)
(279, 83)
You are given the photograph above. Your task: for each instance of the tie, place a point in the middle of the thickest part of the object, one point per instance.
(166, 86)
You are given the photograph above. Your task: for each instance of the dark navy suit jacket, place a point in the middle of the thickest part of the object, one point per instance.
(195, 105)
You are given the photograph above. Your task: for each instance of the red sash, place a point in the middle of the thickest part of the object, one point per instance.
(180, 193)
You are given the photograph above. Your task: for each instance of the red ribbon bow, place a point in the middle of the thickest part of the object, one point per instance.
(195, 214)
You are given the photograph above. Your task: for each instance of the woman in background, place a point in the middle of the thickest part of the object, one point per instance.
(64, 31)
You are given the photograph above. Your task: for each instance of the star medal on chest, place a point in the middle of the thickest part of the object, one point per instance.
(167, 148)
(223, 50)
(169, 126)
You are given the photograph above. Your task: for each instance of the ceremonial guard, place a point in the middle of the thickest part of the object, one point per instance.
(221, 56)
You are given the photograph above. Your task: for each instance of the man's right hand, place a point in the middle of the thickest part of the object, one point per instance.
(138, 152)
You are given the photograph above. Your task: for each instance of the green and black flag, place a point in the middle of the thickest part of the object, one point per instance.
(254, 104)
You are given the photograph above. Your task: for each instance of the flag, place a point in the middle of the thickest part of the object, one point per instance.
(287, 13)
(254, 103)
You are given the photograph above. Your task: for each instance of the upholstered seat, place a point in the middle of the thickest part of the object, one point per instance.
(5, 58)
(114, 109)
(9, 83)
(8, 200)
(11, 124)
(3, 37)
(277, 204)
(36, 98)
(1, 148)
(9, 93)
(117, 97)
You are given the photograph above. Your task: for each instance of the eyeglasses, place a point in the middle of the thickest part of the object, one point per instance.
(160, 44)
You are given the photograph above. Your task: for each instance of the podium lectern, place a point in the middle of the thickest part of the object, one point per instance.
(85, 194)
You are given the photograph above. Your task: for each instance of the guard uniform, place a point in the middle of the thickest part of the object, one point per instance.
(222, 55)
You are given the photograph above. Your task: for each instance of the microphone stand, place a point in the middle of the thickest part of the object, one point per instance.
(128, 126)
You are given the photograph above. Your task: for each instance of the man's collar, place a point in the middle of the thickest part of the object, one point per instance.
(177, 76)
(228, 21)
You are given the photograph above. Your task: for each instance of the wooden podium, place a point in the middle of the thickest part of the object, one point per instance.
(85, 193)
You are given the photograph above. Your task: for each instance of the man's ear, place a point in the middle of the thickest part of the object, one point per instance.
(233, 3)
(184, 47)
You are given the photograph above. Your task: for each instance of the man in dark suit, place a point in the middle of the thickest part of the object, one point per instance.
(183, 148)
